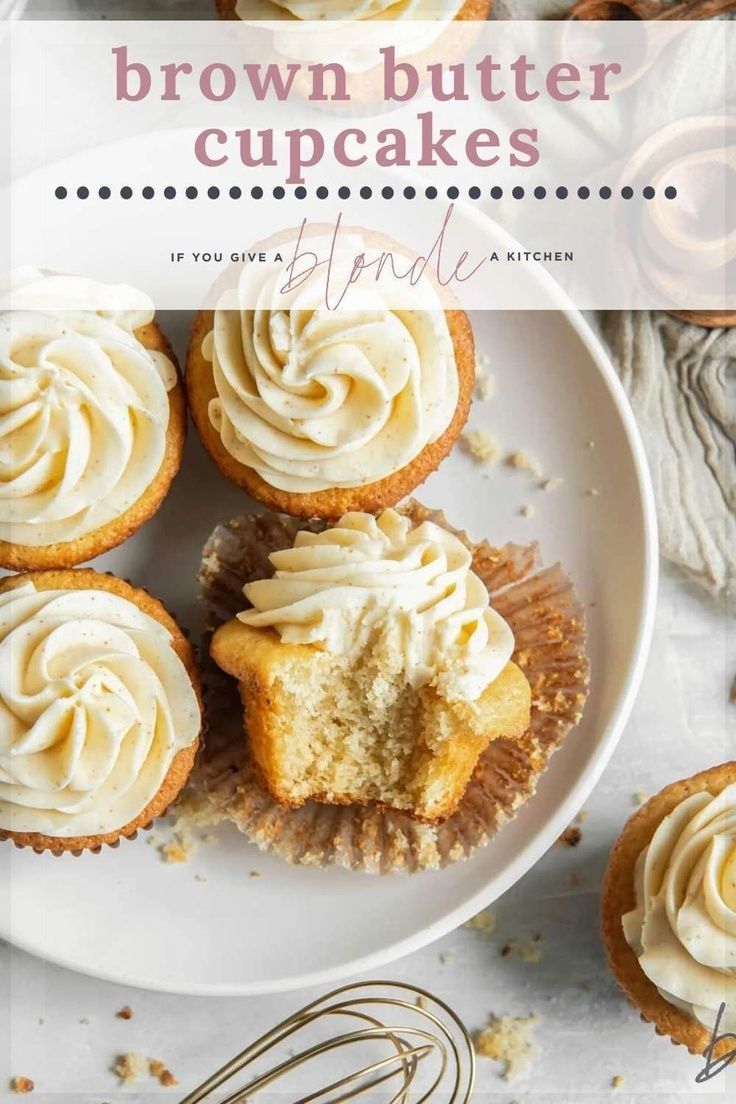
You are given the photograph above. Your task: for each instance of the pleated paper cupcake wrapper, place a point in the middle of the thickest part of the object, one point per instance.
(6, 837)
(541, 607)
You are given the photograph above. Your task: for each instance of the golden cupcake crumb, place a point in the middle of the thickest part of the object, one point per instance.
(481, 446)
(640, 797)
(177, 850)
(129, 1067)
(527, 952)
(483, 922)
(582, 816)
(523, 462)
(527, 511)
(551, 484)
(21, 1085)
(571, 837)
(509, 1040)
(592, 492)
(617, 1081)
(159, 1070)
(125, 1013)
(485, 382)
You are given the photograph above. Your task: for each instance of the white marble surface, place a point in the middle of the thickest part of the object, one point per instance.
(60, 1029)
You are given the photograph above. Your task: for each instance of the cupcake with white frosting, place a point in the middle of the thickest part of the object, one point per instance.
(318, 411)
(372, 667)
(669, 909)
(93, 418)
(100, 710)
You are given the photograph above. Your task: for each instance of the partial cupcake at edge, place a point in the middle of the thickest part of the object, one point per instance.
(94, 419)
(318, 412)
(668, 910)
(427, 10)
(100, 710)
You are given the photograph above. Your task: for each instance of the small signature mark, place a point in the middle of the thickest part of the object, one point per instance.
(713, 1066)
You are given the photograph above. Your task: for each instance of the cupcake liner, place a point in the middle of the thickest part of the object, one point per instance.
(542, 609)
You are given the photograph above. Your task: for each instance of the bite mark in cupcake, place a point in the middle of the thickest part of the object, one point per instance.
(372, 667)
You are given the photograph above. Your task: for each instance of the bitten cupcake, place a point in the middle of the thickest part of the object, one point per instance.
(372, 667)
(669, 909)
(93, 419)
(317, 412)
(99, 710)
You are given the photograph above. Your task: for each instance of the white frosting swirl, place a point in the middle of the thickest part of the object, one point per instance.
(84, 409)
(369, 579)
(94, 706)
(313, 398)
(683, 929)
(350, 9)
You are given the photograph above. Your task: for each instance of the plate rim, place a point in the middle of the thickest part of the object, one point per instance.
(543, 838)
(533, 850)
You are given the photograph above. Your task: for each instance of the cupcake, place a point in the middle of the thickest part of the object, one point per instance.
(94, 419)
(100, 715)
(669, 909)
(372, 667)
(540, 606)
(443, 11)
(318, 412)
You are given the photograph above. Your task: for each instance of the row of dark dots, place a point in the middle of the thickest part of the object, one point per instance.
(365, 192)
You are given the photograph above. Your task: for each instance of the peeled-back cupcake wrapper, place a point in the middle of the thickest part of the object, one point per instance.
(113, 844)
(541, 607)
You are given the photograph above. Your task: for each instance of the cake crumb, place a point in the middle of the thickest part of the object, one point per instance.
(527, 511)
(571, 837)
(590, 444)
(129, 1067)
(483, 922)
(21, 1085)
(125, 1013)
(446, 956)
(254, 874)
(485, 384)
(163, 1075)
(732, 693)
(551, 484)
(509, 1040)
(582, 816)
(522, 462)
(200, 878)
(617, 1081)
(179, 849)
(592, 492)
(640, 798)
(527, 952)
(481, 446)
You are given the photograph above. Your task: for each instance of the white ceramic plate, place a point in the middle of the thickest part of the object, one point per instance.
(126, 916)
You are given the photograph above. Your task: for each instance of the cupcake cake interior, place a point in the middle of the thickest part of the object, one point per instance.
(372, 668)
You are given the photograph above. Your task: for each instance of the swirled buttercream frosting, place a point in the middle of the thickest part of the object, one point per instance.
(312, 398)
(94, 706)
(84, 409)
(371, 578)
(355, 9)
(683, 929)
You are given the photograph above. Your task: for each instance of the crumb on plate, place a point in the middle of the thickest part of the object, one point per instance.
(125, 1013)
(617, 1081)
(509, 1040)
(527, 511)
(481, 446)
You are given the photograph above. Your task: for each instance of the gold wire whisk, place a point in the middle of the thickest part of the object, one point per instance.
(427, 1028)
